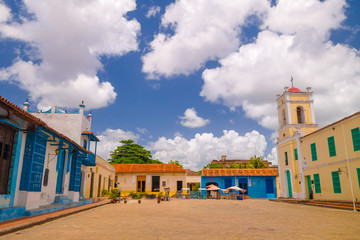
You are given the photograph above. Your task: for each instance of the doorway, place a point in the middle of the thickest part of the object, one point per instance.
(92, 185)
(141, 181)
(309, 192)
(99, 186)
(60, 176)
(7, 136)
(83, 174)
(288, 178)
(179, 185)
(243, 184)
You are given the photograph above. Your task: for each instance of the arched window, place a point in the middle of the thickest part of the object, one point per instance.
(283, 118)
(300, 114)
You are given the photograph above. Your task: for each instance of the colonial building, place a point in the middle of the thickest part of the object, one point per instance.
(258, 183)
(316, 163)
(39, 166)
(78, 128)
(228, 162)
(99, 178)
(149, 178)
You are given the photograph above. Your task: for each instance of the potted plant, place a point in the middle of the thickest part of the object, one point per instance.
(126, 197)
(159, 197)
(113, 196)
(139, 196)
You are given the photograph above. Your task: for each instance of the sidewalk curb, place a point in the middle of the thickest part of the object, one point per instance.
(17, 225)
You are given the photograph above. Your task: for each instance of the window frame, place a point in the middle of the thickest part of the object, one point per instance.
(313, 152)
(331, 146)
(355, 134)
(317, 183)
(336, 181)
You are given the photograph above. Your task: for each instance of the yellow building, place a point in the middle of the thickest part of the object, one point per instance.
(324, 163)
(149, 178)
(99, 178)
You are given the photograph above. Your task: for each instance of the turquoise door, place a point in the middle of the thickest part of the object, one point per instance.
(289, 183)
(308, 192)
(60, 168)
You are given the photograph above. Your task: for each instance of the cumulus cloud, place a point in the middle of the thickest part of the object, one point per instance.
(110, 138)
(65, 48)
(202, 32)
(295, 42)
(192, 120)
(200, 150)
(153, 11)
(272, 157)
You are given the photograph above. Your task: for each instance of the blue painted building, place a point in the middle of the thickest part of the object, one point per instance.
(258, 183)
(39, 166)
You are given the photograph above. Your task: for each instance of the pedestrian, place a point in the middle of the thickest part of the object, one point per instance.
(119, 191)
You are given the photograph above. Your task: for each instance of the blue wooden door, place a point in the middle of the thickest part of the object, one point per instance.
(60, 168)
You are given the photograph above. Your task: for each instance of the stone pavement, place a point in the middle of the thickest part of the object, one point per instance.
(25, 222)
(200, 219)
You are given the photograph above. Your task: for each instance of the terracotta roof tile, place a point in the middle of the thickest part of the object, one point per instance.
(147, 168)
(91, 133)
(239, 172)
(31, 118)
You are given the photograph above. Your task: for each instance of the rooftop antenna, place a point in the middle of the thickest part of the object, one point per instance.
(292, 81)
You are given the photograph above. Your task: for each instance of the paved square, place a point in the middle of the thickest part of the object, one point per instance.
(200, 219)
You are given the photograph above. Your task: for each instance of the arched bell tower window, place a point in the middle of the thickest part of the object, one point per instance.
(283, 118)
(300, 115)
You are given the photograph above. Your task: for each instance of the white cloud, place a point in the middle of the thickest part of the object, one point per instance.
(153, 11)
(4, 13)
(296, 43)
(109, 140)
(203, 30)
(192, 120)
(200, 150)
(66, 39)
(272, 157)
(142, 130)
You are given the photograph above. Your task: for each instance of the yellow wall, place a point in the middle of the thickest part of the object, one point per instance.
(103, 169)
(325, 164)
(128, 181)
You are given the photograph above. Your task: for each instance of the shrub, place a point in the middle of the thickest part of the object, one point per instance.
(104, 193)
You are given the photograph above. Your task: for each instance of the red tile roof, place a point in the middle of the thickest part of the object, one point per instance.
(31, 118)
(148, 168)
(239, 172)
(91, 133)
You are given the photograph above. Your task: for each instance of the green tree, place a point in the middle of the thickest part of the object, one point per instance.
(213, 166)
(176, 162)
(257, 162)
(130, 153)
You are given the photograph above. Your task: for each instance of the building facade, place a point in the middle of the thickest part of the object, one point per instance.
(149, 178)
(38, 165)
(99, 178)
(228, 162)
(322, 164)
(258, 183)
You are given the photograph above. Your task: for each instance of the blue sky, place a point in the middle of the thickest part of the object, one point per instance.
(191, 80)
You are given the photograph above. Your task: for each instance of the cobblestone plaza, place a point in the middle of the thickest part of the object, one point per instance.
(200, 219)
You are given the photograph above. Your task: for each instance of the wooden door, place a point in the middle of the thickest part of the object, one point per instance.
(141, 181)
(7, 136)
